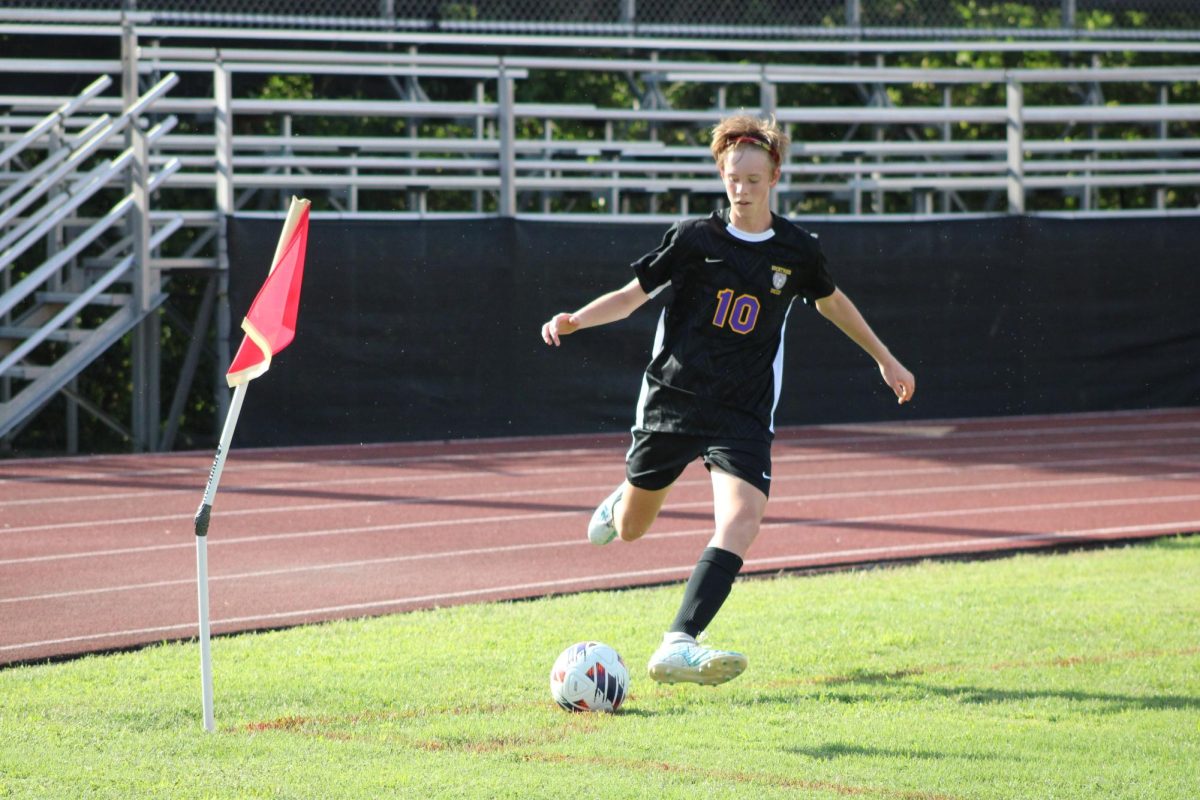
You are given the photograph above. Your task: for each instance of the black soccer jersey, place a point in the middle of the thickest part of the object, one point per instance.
(717, 364)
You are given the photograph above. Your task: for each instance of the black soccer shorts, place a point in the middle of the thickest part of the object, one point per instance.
(656, 459)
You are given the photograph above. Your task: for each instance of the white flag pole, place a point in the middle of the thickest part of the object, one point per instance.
(240, 378)
(202, 516)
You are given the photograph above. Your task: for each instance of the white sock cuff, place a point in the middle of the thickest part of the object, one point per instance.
(678, 637)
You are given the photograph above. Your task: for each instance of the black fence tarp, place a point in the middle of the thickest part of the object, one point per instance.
(430, 330)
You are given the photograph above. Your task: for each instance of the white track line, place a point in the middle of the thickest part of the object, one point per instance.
(589, 438)
(441, 523)
(539, 587)
(884, 433)
(1058, 536)
(578, 541)
(368, 562)
(273, 466)
(251, 490)
(399, 501)
(786, 436)
(946, 452)
(454, 521)
(1142, 413)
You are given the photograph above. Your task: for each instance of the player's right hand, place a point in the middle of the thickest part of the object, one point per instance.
(902, 382)
(559, 325)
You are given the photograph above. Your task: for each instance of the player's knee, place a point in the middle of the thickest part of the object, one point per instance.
(736, 535)
(631, 534)
(630, 528)
(635, 514)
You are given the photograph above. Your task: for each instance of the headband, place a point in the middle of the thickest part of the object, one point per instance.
(757, 143)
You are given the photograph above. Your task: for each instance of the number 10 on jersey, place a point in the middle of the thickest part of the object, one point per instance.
(740, 314)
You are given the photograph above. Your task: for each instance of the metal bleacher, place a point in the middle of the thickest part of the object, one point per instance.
(107, 192)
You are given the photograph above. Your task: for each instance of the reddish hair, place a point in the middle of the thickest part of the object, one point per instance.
(743, 130)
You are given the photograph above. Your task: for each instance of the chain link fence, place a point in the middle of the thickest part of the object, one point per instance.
(739, 18)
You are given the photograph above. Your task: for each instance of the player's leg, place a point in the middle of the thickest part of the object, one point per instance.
(738, 507)
(638, 510)
(653, 463)
(628, 512)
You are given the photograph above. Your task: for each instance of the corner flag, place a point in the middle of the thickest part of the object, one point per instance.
(270, 326)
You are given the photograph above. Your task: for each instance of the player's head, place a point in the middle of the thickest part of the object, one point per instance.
(742, 133)
(749, 152)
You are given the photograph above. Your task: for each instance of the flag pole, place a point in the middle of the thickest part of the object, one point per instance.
(270, 326)
(202, 517)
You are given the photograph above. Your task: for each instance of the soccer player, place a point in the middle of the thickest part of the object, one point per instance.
(713, 380)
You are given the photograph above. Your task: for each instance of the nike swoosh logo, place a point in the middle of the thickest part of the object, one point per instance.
(765, 475)
(713, 260)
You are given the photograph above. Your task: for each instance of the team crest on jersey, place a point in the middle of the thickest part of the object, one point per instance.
(779, 278)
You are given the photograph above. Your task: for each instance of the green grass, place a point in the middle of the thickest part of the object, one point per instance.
(1052, 676)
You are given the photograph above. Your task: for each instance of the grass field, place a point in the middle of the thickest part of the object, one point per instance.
(1047, 676)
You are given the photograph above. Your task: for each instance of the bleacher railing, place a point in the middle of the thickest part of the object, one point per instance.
(390, 149)
(710, 19)
(495, 154)
(67, 297)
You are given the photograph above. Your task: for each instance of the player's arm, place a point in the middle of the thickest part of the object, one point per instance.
(838, 309)
(606, 308)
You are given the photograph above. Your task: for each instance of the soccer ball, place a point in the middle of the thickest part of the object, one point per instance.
(589, 676)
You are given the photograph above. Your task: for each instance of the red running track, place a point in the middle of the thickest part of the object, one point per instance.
(98, 553)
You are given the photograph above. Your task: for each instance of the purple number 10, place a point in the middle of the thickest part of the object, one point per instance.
(740, 314)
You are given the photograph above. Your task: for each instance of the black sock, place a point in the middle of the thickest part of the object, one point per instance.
(706, 590)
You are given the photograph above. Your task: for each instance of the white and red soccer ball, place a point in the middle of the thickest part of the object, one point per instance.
(589, 676)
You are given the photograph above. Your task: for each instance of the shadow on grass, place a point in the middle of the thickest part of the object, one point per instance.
(828, 752)
(648, 713)
(894, 686)
(1112, 703)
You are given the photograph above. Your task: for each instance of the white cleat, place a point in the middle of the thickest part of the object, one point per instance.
(603, 529)
(688, 662)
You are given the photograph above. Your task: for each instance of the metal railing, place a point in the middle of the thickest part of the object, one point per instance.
(58, 315)
(611, 154)
(883, 141)
(765, 19)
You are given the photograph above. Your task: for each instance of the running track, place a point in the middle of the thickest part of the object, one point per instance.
(98, 553)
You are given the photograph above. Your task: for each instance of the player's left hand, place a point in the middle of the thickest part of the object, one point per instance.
(902, 382)
(559, 325)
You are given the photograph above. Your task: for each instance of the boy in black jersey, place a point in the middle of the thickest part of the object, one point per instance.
(713, 381)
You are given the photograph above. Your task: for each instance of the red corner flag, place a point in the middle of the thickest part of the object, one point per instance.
(270, 324)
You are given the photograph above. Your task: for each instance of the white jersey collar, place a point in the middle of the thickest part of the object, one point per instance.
(746, 236)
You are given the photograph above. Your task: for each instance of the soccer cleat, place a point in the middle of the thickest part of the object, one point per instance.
(603, 529)
(689, 662)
